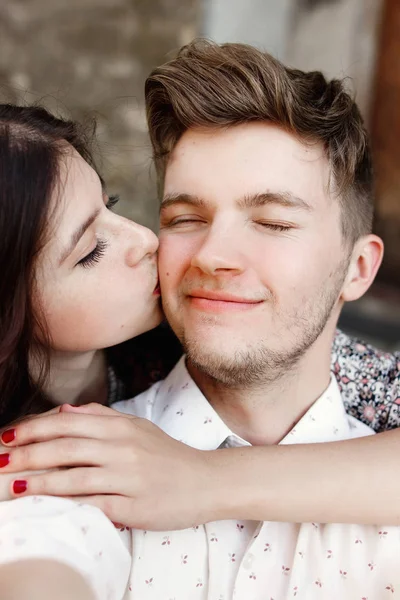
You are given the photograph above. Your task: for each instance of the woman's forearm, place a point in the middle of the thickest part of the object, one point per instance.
(42, 580)
(354, 481)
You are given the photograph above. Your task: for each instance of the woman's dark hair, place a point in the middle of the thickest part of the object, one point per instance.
(32, 143)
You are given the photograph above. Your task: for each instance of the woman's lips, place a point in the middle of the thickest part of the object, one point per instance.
(157, 290)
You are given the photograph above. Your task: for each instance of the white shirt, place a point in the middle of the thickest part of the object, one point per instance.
(237, 560)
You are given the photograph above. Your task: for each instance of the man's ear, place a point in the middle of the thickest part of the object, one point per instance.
(365, 261)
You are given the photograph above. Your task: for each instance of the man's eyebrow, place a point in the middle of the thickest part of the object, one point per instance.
(78, 233)
(171, 199)
(286, 199)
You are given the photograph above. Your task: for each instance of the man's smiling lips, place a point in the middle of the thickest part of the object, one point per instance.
(220, 301)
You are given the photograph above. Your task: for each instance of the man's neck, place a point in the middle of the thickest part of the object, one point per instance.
(77, 378)
(265, 413)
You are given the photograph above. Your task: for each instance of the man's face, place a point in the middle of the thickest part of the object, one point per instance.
(251, 257)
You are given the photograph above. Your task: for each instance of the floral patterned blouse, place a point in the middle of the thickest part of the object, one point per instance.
(369, 380)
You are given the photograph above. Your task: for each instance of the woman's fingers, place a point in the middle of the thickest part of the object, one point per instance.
(63, 452)
(52, 411)
(79, 481)
(27, 418)
(6, 480)
(66, 424)
(90, 409)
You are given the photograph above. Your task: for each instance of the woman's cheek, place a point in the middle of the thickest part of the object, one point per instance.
(73, 319)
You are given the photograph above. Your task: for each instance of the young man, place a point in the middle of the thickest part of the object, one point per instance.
(265, 232)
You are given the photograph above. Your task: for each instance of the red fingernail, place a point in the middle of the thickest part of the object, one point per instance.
(8, 436)
(4, 460)
(19, 486)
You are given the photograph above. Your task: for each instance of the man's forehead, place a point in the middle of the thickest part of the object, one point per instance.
(241, 135)
(246, 185)
(251, 158)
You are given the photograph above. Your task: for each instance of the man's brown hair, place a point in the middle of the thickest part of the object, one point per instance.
(211, 85)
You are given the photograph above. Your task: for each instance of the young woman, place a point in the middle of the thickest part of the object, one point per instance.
(77, 278)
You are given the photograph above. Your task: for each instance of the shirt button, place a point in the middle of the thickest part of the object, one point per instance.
(248, 561)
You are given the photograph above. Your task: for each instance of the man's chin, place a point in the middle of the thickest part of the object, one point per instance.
(227, 366)
(237, 365)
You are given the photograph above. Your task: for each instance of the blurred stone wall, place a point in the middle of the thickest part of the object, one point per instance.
(85, 58)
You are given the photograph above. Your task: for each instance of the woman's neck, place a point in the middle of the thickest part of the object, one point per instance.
(77, 378)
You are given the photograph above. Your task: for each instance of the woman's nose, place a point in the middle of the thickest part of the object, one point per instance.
(143, 242)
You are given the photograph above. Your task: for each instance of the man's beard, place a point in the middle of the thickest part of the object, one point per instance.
(259, 364)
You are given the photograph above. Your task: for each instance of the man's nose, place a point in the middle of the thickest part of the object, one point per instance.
(143, 242)
(220, 252)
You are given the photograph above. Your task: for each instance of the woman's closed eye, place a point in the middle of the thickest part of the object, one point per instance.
(94, 256)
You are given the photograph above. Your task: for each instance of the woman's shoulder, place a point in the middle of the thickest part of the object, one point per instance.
(369, 380)
(353, 351)
(72, 533)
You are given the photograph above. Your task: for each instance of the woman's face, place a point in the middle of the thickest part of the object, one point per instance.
(97, 274)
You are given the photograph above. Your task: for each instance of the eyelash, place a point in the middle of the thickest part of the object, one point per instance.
(112, 201)
(98, 252)
(275, 226)
(183, 221)
(272, 226)
(94, 256)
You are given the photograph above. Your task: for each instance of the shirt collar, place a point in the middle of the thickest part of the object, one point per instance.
(183, 412)
(325, 421)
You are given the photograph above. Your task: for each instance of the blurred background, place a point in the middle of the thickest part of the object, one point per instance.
(89, 58)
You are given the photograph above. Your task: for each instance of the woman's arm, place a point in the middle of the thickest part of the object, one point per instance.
(134, 462)
(42, 580)
(354, 481)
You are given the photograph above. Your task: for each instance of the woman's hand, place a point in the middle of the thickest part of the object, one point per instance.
(126, 466)
(7, 478)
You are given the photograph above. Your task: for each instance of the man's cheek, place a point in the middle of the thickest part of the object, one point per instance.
(167, 269)
(173, 257)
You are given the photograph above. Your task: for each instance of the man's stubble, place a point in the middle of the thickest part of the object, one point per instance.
(259, 364)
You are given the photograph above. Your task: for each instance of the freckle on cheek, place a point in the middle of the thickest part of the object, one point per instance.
(167, 274)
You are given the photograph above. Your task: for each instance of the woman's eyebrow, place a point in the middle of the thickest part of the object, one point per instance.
(78, 233)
